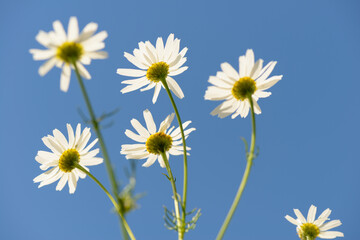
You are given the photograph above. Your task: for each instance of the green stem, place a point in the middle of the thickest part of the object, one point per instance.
(184, 196)
(244, 180)
(176, 200)
(116, 205)
(95, 123)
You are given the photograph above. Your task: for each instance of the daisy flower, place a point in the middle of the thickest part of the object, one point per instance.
(65, 49)
(156, 64)
(64, 156)
(152, 143)
(310, 229)
(236, 88)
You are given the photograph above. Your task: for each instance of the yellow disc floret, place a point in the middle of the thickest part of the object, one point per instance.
(158, 143)
(157, 72)
(308, 231)
(68, 160)
(70, 52)
(243, 88)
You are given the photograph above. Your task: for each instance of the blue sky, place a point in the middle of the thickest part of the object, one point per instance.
(307, 134)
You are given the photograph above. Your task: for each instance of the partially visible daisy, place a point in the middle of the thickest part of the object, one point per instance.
(156, 64)
(310, 229)
(64, 156)
(235, 88)
(64, 49)
(152, 143)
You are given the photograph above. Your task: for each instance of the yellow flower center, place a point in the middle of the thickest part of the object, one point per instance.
(158, 143)
(243, 88)
(70, 51)
(68, 160)
(308, 231)
(157, 71)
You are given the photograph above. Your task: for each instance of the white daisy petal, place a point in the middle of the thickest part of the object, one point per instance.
(135, 61)
(134, 136)
(59, 31)
(150, 124)
(299, 216)
(148, 87)
(43, 38)
(65, 78)
(330, 235)
(133, 147)
(73, 29)
(97, 38)
(60, 138)
(311, 214)
(46, 175)
(139, 128)
(161, 161)
(152, 158)
(47, 156)
(39, 54)
(83, 71)
(140, 155)
(88, 31)
(97, 55)
(292, 220)
(156, 93)
(61, 184)
(131, 72)
(72, 182)
(262, 94)
(249, 61)
(266, 71)
(92, 161)
(47, 66)
(229, 71)
(51, 179)
(219, 83)
(160, 49)
(134, 87)
(175, 87)
(70, 135)
(257, 108)
(178, 71)
(256, 69)
(268, 83)
(330, 225)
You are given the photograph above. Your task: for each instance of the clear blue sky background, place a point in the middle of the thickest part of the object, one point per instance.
(308, 133)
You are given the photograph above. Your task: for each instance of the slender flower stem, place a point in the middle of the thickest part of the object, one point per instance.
(176, 200)
(116, 205)
(184, 197)
(95, 123)
(250, 157)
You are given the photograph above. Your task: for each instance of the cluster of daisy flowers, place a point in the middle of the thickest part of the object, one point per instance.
(239, 92)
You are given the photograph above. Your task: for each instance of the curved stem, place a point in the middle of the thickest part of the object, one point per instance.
(176, 200)
(95, 124)
(127, 227)
(250, 157)
(184, 196)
